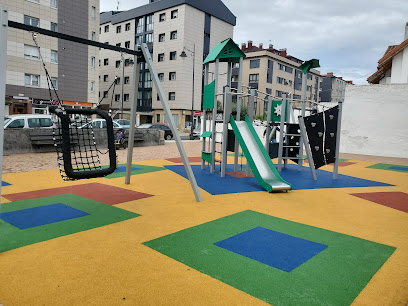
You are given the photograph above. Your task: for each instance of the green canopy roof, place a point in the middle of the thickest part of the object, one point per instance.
(225, 51)
(306, 66)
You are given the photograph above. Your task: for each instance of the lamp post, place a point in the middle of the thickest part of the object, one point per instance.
(130, 61)
(184, 55)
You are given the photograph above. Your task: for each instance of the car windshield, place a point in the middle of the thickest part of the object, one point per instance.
(145, 126)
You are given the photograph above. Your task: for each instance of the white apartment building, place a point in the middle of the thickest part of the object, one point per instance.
(168, 27)
(72, 66)
(333, 89)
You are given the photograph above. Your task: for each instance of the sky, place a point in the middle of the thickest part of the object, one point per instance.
(347, 36)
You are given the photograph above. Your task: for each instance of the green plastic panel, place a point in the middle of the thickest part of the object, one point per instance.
(209, 92)
(207, 134)
(206, 156)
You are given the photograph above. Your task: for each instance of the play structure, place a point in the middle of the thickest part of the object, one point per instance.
(317, 132)
(78, 155)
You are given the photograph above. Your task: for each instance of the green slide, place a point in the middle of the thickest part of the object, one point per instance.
(257, 157)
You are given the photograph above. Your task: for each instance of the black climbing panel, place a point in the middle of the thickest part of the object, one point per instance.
(330, 117)
(315, 131)
(292, 129)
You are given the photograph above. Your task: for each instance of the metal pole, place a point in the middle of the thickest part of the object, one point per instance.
(336, 162)
(304, 88)
(204, 121)
(123, 84)
(192, 103)
(307, 148)
(251, 102)
(3, 69)
(268, 120)
(133, 109)
(238, 118)
(166, 108)
(282, 129)
(227, 113)
(214, 117)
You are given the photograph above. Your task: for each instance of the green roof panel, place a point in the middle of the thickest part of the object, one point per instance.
(225, 51)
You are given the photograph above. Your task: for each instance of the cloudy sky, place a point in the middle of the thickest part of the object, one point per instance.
(347, 36)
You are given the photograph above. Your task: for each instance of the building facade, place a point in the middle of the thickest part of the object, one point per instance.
(72, 66)
(333, 89)
(168, 27)
(276, 73)
(393, 66)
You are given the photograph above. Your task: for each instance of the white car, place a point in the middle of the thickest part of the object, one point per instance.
(27, 121)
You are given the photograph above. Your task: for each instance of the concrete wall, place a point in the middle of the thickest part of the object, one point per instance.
(375, 120)
(18, 141)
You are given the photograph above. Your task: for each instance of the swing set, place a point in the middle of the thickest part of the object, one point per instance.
(77, 152)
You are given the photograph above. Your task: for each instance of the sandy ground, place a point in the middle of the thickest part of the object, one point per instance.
(43, 161)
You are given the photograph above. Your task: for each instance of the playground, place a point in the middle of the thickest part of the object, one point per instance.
(228, 220)
(103, 242)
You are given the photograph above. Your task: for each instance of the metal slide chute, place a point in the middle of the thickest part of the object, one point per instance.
(257, 157)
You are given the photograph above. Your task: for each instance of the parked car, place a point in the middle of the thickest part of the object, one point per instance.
(168, 134)
(100, 124)
(125, 123)
(26, 121)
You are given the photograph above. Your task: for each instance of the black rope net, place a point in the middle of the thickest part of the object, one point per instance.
(83, 150)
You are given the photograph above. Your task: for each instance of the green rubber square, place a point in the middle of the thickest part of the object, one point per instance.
(335, 276)
(389, 167)
(100, 214)
(140, 170)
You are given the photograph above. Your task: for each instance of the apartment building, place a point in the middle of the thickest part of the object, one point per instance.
(333, 89)
(276, 73)
(168, 27)
(72, 66)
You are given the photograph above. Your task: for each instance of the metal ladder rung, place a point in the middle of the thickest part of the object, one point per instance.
(291, 146)
(283, 157)
(292, 135)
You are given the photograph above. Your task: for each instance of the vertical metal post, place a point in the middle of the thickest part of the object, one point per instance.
(227, 112)
(238, 118)
(214, 117)
(304, 88)
(133, 109)
(251, 105)
(204, 122)
(192, 100)
(123, 86)
(282, 130)
(268, 120)
(172, 126)
(307, 148)
(336, 162)
(3, 70)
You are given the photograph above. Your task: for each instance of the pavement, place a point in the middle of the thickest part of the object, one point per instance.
(103, 242)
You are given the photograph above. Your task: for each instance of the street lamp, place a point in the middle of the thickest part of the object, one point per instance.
(130, 62)
(184, 55)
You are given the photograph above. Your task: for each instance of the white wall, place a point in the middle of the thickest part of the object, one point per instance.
(399, 70)
(375, 120)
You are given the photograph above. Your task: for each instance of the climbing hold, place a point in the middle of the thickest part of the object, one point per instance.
(313, 124)
(331, 117)
(327, 150)
(320, 134)
(317, 148)
(331, 134)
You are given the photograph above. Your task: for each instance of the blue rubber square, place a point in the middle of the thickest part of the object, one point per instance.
(272, 248)
(120, 169)
(41, 215)
(3, 183)
(398, 168)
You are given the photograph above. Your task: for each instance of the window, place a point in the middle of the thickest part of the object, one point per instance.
(140, 25)
(139, 40)
(127, 27)
(298, 74)
(285, 68)
(161, 76)
(128, 62)
(149, 23)
(127, 44)
(117, 64)
(174, 14)
(106, 62)
(253, 78)
(158, 98)
(162, 37)
(160, 57)
(92, 86)
(118, 29)
(254, 63)
(39, 122)
(93, 12)
(117, 98)
(32, 80)
(126, 97)
(127, 80)
(106, 29)
(309, 76)
(158, 115)
(173, 55)
(54, 3)
(38, 1)
(54, 27)
(283, 81)
(118, 44)
(148, 80)
(172, 76)
(162, 17)
(281, 93)
(105, 78)
(148, 38)
(31, 52)
(105, 94)
(172, 96)
(117, 81)
(93, 36)
(173, 35)
(35, 22)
